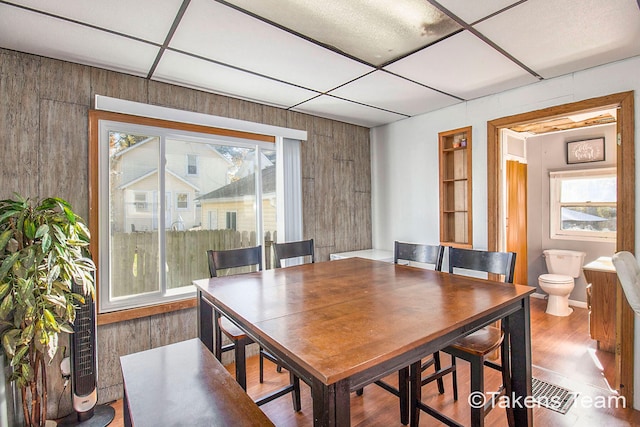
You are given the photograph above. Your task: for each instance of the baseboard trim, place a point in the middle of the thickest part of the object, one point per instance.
(573, 303)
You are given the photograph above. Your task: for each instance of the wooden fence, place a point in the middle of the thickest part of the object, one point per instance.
(134, 257)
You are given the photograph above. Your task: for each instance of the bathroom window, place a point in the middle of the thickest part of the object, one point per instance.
(583, 204)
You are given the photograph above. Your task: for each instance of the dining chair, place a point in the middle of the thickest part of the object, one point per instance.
(478, 347)
(298, 249)
(230, 259)
(431, 255)
(628, 272)
(282, 251)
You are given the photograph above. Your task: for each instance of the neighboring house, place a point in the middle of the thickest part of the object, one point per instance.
(191, 169)
(232, 206)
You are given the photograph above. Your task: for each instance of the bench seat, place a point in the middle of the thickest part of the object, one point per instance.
(183, 384)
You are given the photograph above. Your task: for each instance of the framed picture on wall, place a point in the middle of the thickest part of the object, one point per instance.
(585, 151)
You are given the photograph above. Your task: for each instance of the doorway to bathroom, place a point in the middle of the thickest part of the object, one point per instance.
(623, 143)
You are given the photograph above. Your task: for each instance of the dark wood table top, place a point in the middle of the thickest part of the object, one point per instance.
(339, 318)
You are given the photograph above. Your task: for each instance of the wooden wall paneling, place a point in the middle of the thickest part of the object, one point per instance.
(325, 191)
(19, 124)
(115, 340)
(168, 328)
(301, 121)
(322, 127)
(115, 85)
(274, 116)
(362, 238)
(65, 82)
(308, 157)
(343, 140)
(167, 95)
(210, 103)
(362, 160)
(63, 153)
(344, 209)
(245, 110)
(308, 208)
(63, 133)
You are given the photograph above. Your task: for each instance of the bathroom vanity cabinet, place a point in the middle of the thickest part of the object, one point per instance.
(601, 301)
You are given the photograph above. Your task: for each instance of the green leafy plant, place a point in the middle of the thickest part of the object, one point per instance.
(45, 272)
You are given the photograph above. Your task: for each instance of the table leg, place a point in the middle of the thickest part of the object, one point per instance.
(415, 392)
(331, 404)
(519, 325)
(205, 322)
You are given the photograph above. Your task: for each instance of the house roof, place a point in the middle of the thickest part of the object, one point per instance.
(245, 186)
(154, 172)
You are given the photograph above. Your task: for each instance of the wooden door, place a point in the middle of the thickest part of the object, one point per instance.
(516, 228)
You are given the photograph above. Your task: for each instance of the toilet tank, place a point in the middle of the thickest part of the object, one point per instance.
(561, 261)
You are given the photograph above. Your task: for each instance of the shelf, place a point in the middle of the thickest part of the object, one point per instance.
(455, 187)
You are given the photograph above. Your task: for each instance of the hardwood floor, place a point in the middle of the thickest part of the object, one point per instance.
(562, 354)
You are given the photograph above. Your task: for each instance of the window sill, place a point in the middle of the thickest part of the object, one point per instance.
(137, 313)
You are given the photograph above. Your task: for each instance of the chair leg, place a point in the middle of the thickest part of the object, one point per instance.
(241, 364)
(403, 391)
(261, 366)
(295, 395)
(454, 378)
(438, 366)
(477, 386)
(359, 392)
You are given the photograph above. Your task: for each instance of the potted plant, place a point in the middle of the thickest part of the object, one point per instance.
(44, 263)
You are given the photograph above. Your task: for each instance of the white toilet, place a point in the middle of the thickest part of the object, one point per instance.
(563, 267)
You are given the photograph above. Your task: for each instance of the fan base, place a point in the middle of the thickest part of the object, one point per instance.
(102, 417)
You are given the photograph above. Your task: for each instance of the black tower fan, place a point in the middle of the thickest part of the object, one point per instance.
(84, 369)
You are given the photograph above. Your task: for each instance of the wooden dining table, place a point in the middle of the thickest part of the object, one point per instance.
(341, 325)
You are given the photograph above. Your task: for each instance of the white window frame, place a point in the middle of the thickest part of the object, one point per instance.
(197, 165)
(107, 303)
(186, 208)
(555, 206)
(291, 215)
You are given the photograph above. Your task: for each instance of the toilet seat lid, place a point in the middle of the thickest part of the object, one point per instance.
(556, 278)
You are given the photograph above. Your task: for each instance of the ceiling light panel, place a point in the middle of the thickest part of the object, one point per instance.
(472, 11)
(376, 31)
(203, 75)
(212, 30)
(149, 20)
(559, 37)
(383, 90)
(463, 66)
(345, 111)
(31, 32)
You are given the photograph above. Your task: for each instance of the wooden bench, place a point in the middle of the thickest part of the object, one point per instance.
(183, 384)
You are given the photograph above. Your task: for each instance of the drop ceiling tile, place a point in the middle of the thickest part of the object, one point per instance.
(32, 32)
(384, 90)
(149, 20)
(376, 31)
(472, 11)
(463, 66)
(345, 111)
(559, 37)
(185, 70)
(215, 31)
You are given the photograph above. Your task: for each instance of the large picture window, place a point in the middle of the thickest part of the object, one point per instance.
(152, 247)
(583, 204)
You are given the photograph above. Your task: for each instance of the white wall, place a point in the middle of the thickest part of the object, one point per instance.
(404, 157)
